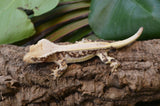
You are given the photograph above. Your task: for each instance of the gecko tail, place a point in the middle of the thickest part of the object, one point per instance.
(127, 41)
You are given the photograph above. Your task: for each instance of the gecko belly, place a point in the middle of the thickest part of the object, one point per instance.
(79, 59)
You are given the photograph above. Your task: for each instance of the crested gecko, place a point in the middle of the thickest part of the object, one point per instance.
(47, 51)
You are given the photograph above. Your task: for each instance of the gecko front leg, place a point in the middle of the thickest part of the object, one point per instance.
(59, 59)
(102, 54)
(62, 66)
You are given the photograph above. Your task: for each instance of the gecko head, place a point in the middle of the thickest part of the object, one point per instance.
(37, 52)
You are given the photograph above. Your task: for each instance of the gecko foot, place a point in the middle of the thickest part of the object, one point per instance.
(114, 66)
(56, 73)
(108, 60)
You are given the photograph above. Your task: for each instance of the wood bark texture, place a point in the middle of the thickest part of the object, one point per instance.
(88, 83)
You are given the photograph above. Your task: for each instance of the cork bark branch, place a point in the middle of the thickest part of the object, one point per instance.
(87, 83)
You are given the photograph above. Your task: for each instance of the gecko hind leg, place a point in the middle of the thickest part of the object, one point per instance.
(108, 60)
(60, 70)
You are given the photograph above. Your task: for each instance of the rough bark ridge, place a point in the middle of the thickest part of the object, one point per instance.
(88, 83)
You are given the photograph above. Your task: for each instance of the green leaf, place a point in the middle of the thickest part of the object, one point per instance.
(39, 6)
(119, 19)
(67, 29)
(60, 21)
(78, 34)
(66, 0)
(14, 23)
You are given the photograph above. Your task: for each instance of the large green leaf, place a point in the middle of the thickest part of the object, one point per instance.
(14, 23)
(118, 19)
(39, 6)
(68, 29)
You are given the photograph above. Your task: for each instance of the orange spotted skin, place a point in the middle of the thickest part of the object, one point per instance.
(46, 51)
